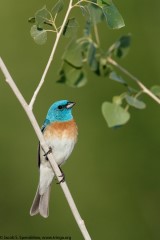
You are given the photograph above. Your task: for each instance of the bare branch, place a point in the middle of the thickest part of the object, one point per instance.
(58, 35)
(53, 163)
(135, 79)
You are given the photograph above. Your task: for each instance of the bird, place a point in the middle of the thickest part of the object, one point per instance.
(60, 133)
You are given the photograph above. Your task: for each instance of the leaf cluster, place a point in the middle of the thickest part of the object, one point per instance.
(83, 50)
(86, 50)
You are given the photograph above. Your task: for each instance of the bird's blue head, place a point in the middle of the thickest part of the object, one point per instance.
(59, 111)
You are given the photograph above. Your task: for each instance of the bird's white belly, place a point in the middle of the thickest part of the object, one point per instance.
(61, 148)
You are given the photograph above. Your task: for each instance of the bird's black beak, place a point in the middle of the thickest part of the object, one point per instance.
(70, 104)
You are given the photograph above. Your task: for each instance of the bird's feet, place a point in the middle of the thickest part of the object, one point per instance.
(62, 176)
(46, 154)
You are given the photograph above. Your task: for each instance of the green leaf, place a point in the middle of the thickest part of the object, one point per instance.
(73, 54)
(70, 28)
(84, 46)
(134, 102)
(100, 3)
(72, 77)
(42, 16)
(114, 114)
(113, 16)
(83, 10)
(61, 77)
(109, 2)
(91, 57)
(76, 77)
(156, 90)
(114, 76)
(132, 90)
(32, 20)
(125, 41)
(103, 2)
(117, 99)
(123, 48)
(39, 36)
(58, 7)
(102, 68)
(96, 14)
(87, 28)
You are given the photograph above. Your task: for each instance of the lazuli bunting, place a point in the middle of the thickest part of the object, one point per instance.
(60, 133)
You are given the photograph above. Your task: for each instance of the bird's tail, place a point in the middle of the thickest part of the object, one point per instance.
(41, 203)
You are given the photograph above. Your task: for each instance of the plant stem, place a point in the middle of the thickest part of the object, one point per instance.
(43, 144)
(96, 34)
(85, 1)
(58, 35)
(139, 94)
(135, 79)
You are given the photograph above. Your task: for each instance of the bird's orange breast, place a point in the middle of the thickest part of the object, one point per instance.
(61, 129)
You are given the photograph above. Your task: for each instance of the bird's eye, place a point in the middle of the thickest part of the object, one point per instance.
(60, 107)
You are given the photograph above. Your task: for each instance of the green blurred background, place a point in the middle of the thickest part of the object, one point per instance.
(113, 175)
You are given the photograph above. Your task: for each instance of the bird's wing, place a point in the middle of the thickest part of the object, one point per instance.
(39, 161)
(42, 130)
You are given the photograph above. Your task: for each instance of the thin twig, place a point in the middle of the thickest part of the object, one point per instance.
(58, 35)
(85, 1)
(135, 79)
(53, 163)
(139, 94)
